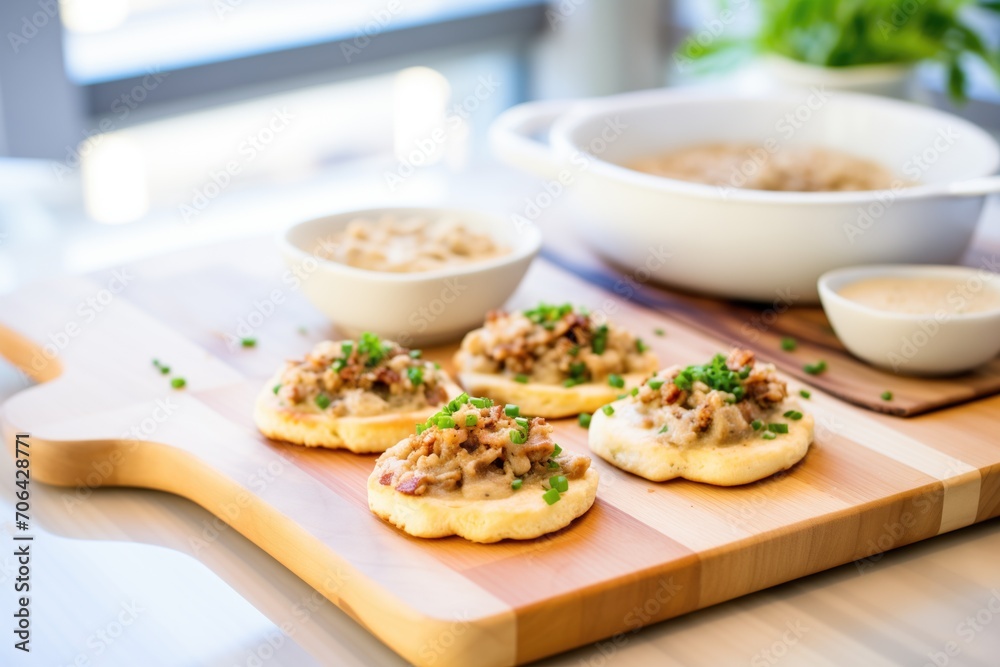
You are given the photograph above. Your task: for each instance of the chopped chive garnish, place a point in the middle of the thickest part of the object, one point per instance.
(616, 380)
(635, 391)
(521, 377)
(322, 401)
(640, 346)
(756, 424)
(516, 484)
(655, 384)
(572, 382)
(886, 395)
(416, 375)
(445, 421)
(517, 437)
(659, 332)
(664, 429)
(608, 410)
(804, 393)
(511, 410)
(277, 388)
(788, 343)
(794, 415)
(481, 402)
(551, 496)
(715, 375)
(547, 314)
(559, 483)
(521, 422)
(575, 350)
(163, 369)
(346, 348)
(815, 369)
(620, 396)
(557, 450)
(415, 354)
(178, 383)
(553, 465)
(456, 403)
(421, 428)
(471, 419)
(766, 435)
(372, 349)
(600, 340)
(777, 428)
(584, 419)
(338, 365)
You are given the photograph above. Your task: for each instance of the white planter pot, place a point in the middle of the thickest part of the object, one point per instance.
(891, 80)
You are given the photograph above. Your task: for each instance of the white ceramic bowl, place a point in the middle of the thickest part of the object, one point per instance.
(935, 344)
(419, 308)
(753, 244)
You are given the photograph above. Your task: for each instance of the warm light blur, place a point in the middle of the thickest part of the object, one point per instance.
(114, 179)
(420, 100)
(85, 16)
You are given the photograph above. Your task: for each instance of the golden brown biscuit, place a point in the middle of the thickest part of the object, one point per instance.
(363, 395)
(728, 422)
(552, 361)
(482, 472)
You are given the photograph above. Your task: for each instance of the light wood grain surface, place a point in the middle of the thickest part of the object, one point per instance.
(661, 549)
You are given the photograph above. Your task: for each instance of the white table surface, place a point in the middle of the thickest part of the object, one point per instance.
(117, 582)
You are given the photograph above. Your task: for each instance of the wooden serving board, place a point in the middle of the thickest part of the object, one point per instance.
(762, 328)
(645, 552)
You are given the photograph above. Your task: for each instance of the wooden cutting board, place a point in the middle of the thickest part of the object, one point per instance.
(762, 327)
(644, 553)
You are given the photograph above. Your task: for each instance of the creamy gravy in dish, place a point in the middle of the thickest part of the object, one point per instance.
(404, 245)
(753, 167)
(923, 296)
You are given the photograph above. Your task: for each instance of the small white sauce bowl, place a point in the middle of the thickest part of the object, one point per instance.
(940, 343)
(418, 308)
